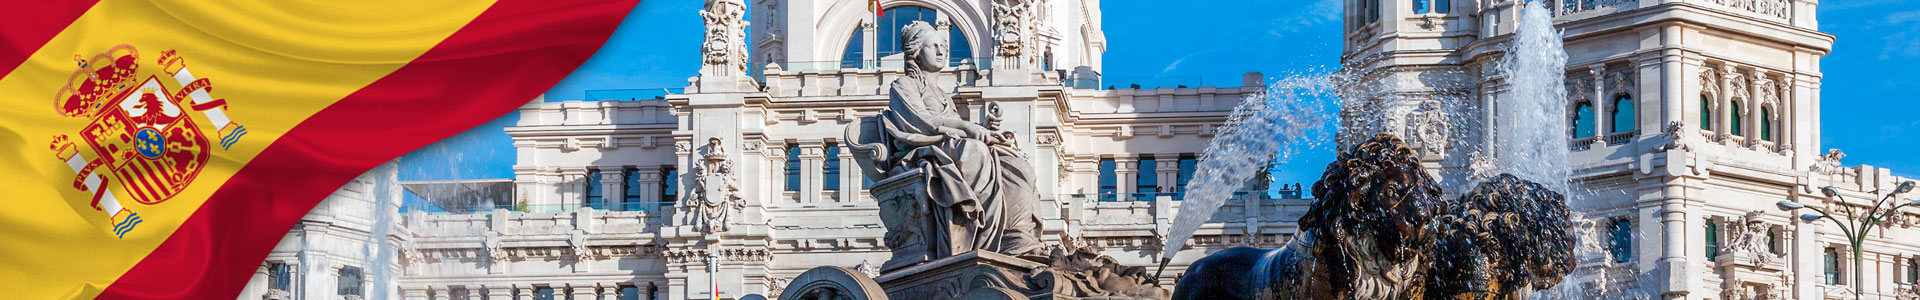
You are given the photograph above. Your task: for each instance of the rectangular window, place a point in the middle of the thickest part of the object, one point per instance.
(1713, 239)
(350, 281)
(1832, 258)
(1147, 180)
(458, 293)
(1419, 6)
(831, 172)
(1187, 165)
(1622, 242)
(1706, 113)
(631, 190)
(594, 199)
(1108, 180)
(1443, 6)
(793, 169)
(543, 293)
(279, 277)
(1773, 241)
(669, 183)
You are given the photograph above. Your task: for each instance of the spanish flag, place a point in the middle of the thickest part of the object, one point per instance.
(160, 149)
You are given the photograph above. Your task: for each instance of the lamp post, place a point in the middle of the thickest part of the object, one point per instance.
(1862, 222)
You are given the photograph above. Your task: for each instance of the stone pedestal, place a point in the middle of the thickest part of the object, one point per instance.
(959, 275)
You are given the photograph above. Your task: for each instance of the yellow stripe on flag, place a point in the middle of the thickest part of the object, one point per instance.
(274, 63)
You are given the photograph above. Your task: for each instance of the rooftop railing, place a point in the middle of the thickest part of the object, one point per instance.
(555, 208)
(632, 94)
(1138, 82)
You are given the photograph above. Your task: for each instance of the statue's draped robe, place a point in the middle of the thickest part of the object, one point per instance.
(982, 194)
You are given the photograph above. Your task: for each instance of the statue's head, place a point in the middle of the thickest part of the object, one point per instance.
(1373, 205)
(924, 47)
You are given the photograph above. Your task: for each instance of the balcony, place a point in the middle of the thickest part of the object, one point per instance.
(1582, 144)
(1621, 138)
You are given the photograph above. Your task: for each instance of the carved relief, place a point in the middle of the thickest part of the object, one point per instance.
(1427, 128)
(1011, 18)
(1710, 84)
(1674, 140)
(726, 34)
(1751, 239)
(716, 192)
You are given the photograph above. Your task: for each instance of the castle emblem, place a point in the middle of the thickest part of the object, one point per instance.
(141, 137)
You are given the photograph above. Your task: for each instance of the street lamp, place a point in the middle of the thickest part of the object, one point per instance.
(1862, 222)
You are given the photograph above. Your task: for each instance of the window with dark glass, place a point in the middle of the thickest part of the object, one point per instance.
(887, 36)
(594, 197)
(543, 293)
(279, 277)
(1706, 113)
(628, 292)
(793, 169)
(1109, 182)
(1147, 180)
(1766, 125)
(1187, 165)
(1583, 120)
(1773, 241)
(830, 174)
(1832, 259)
(1443, 6)
(1913, 270)
(1622, 115)
(458, 293)
(1621, 244)
(1419, 6)
(1373, 10)
(350, 279)
(1713, 239)
(1736, 120)
(631, 191)
(669, 184)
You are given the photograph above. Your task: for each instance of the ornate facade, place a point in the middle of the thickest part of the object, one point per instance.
(1691, 119)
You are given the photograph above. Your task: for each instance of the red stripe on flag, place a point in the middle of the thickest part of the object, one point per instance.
(25, 26)
(511, 53)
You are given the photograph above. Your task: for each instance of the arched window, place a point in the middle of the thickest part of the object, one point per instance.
(887, 37)
(1735, 121)
(1706, 112)
(1766, 124)
(856, 50)
(1583, 120)
(1622, 120)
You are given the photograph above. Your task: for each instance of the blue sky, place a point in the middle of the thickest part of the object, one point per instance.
(1869, 90)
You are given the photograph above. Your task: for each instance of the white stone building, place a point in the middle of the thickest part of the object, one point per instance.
(344, 249)
(1702, 115)
(1692, 117)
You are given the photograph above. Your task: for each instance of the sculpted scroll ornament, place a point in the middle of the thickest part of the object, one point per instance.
(1752, 239)
(716, 193)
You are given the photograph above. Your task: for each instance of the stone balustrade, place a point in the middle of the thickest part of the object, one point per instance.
(1162, 100)
(596, 113)
(509, 223)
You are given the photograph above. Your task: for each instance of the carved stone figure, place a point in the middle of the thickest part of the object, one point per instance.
(716, 193)
(1672, 134)
(1010, 19)
(726, 43)
(1751, 240)
(1830, 163)
(979, 192)
(1379, 230)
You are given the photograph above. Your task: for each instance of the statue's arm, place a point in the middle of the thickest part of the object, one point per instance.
(947, 124)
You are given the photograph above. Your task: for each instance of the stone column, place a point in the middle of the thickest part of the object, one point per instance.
(1123, 173)
(1673, 87)
(581, 291)
(613, 187)
(1168, 167)
(812, 161)
(649, 181)
(439, 292)
(473, 293)
(1602, 113)
(496, 292)
(1724, 117)
(413, 293)
(850, 176)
